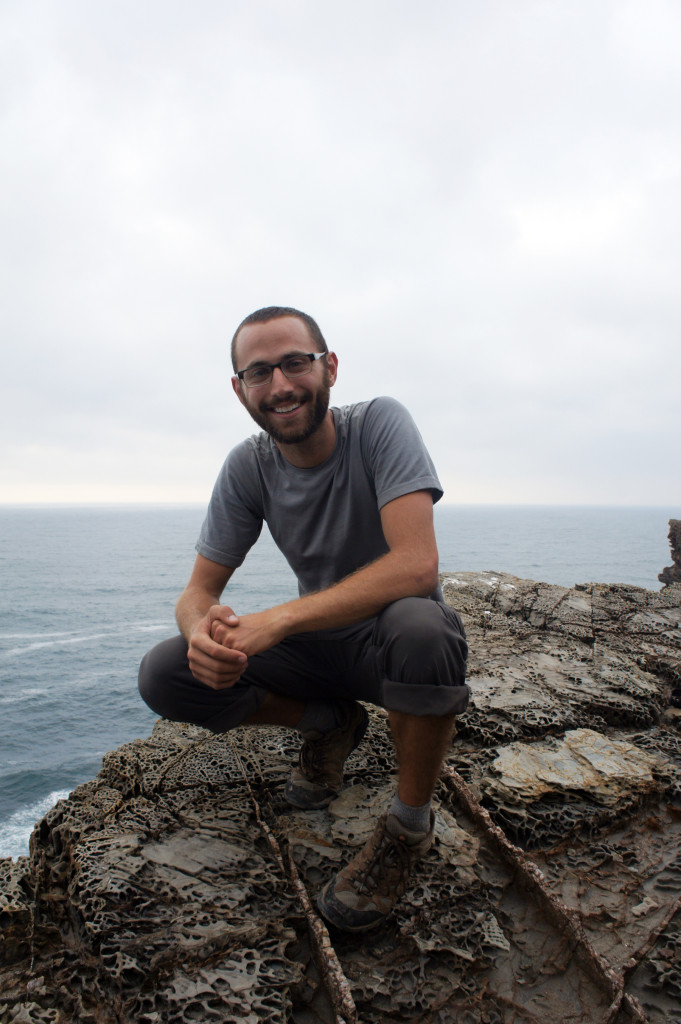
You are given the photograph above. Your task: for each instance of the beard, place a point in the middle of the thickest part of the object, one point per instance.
(316, 411)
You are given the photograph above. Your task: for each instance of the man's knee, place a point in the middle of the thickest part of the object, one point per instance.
(418, 634)
(424, 653)
(161, 664)
(168, 687)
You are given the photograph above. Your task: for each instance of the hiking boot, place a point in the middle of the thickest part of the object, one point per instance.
(362, 895)
(319, 775)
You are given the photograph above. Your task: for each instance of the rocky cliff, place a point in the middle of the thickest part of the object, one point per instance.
(179, 886)
(672, 573)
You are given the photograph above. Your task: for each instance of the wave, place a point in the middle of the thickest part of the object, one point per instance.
(22, 696)
(64, 638)
(154, 627)
(15, 831)
(14, 652)
(29, 636)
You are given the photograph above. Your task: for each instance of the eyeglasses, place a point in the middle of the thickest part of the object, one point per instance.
(292, 366)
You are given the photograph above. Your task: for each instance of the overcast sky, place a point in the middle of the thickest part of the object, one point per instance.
(479, 201)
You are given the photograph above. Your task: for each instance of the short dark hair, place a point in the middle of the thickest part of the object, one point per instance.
(262, 316)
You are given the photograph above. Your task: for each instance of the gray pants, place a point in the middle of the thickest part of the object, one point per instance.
(410, 658)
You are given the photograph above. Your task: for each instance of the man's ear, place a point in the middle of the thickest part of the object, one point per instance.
(332, 367)
(238, 389)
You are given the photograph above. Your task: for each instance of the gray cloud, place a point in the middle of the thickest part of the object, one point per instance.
(480, 204)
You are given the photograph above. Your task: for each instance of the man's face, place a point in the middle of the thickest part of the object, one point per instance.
(290, 410)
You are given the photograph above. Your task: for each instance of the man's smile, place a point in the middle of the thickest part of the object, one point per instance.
(284, 409)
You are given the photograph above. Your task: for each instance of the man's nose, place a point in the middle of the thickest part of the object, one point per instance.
(277, 381)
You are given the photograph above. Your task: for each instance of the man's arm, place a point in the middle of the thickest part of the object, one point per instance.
(408, 569)
(211, 663)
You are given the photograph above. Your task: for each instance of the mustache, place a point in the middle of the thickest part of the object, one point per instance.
(291, 399)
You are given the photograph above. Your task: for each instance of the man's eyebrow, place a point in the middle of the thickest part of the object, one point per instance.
(263, 362)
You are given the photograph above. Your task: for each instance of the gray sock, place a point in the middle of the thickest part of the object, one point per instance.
(416, 819)
(320, 716)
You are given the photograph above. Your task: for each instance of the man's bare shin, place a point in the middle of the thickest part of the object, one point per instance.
(422, 742)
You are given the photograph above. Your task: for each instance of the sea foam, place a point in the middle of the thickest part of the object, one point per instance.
(16, 830)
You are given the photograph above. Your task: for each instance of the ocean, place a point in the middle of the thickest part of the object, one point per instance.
(87, 590)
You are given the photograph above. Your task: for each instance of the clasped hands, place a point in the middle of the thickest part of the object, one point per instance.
(222, 642)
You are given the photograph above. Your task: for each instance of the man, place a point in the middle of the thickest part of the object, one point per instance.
(348, 497)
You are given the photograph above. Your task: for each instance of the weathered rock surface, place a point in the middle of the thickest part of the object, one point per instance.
(162, 891)
(672, 573)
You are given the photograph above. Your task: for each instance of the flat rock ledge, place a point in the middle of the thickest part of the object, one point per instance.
(179, 886)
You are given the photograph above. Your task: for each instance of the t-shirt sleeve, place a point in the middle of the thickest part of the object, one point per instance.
(234, 518)
(395, 454)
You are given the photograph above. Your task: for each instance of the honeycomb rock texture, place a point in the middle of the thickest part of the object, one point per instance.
(161, 891)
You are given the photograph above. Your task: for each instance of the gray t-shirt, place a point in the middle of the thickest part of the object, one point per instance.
(325, 519)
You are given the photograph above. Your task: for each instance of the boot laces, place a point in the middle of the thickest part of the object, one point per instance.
(312, 756)
(385, 868)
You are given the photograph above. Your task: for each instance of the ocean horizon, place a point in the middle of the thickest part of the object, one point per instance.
(88, 588)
